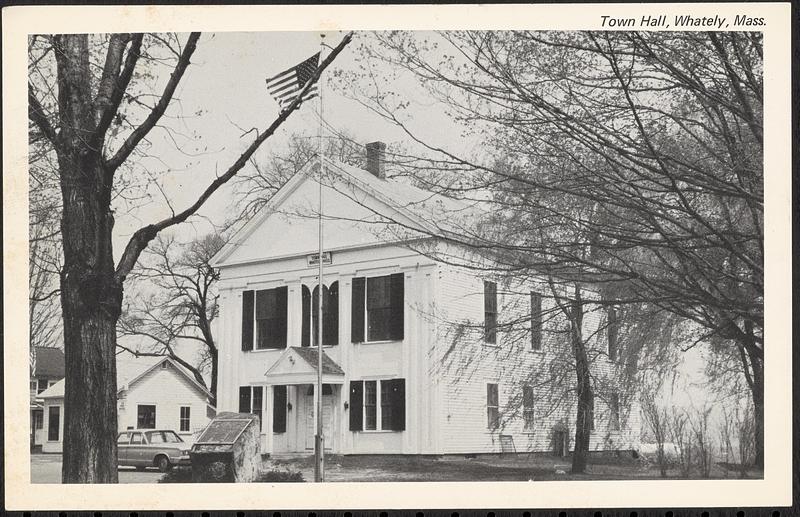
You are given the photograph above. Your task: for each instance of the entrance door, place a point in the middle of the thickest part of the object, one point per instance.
(327, 418)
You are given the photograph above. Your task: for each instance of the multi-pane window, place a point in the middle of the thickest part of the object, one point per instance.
(377, 310)
(489, 312)
(54, 423)
(251, 400)
(612, 331)
(377, 405)
(527, 407)
(43, 385)
(38, 417)
(536, 321)
(613, 407)
(185, 424)
(492, 406)
(146, 417)
(370, 406)
(264, 318)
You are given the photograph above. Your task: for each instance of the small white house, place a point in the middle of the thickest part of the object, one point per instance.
(416, 360)
(161, 396)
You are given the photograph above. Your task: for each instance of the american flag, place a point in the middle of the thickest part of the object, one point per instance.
(285, 86)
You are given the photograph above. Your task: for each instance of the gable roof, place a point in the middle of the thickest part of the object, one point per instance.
(57, 389)
(426, 213)
(298, 365)
(310, 356)
(178, 368)
(49, 362)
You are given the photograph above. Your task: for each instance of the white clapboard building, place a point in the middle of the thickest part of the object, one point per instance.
(152, 394)
(413, 361)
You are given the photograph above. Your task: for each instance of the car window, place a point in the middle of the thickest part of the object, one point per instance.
(171, 437)
(136, 439)
(155, 437)
(123, 439)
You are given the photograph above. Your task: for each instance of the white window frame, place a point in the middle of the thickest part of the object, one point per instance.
(155, 415)
(487, 406)
(188, 418)
(378, 411)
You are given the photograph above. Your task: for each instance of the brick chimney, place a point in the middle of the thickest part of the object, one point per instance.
(376, 156)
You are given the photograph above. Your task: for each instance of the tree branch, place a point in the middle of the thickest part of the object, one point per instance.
(114, 83)
(158, 110)
(143, 236)
(37, 115)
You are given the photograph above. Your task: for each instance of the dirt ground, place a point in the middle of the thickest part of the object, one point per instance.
(520, 467)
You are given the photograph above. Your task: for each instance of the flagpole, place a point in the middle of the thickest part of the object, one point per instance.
(319, 444)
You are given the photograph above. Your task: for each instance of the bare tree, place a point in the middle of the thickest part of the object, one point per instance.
(659, 133)
(181, 304)
(84, 123)
(657, 419)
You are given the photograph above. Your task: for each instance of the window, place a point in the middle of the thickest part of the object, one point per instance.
(34, 387)
(42, 386)
(54, 424)
(377, 405)
(155, 437)
(492, 406)
(613, 406)
(490, 312)
(123, 439)
(271, 310)
(612, 330)
(137, 439)
(146, 417)
(370, 407)
(185, 418)
(251, 399)
(536, 321)
(527, 407)
(38, 417)
(330, 315)
(377, 308)
(264, 316)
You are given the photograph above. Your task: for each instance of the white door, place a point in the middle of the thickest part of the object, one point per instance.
(327, 417)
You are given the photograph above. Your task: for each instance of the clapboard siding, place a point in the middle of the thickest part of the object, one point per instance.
(467, 364)
(168, 390)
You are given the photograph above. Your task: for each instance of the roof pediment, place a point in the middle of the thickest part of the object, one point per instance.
(298, 365)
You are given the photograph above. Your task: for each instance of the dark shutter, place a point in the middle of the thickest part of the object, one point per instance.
(356, 403)
(490, 311)
(279, 409)
(397, 398)
(536, 320)
(330, 331)
(247, 320)
(397, 294)
(244, 399)
(305, 339)
(613, 332)
(53, 423)
(281, 327)
(357, 317)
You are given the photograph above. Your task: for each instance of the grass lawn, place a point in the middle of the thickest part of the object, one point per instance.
(521, 467)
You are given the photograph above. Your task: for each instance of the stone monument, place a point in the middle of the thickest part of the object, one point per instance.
(228, 450)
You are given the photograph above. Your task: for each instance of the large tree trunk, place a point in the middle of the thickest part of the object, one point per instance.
(584, 388)
(757, 391)
(91, 300)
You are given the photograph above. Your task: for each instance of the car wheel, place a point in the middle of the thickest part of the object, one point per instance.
(163, 464)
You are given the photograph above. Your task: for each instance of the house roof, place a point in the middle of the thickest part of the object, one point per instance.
(309, 354)
(49, 362)
(57, 389)
(422, 212)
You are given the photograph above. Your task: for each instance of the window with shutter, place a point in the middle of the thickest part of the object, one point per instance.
(490, 312)
(279, 409)
(271, 315)
(378, 308)
(247, 320)
(527, 407)
(378, 405)
(330, 315)
(536, 321)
